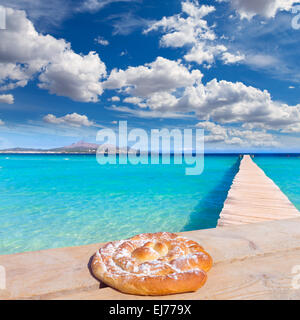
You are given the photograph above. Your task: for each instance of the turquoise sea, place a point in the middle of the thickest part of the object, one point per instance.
(284, 170)
(49, 201)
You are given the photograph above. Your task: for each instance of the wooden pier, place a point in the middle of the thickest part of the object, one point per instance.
(254, 197)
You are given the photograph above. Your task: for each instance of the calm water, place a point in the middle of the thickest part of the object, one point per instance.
(49, 201)
(285, 172)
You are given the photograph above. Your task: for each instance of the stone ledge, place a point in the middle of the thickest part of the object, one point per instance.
(252, 261)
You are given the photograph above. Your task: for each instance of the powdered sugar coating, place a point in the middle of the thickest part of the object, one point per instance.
(152, 255)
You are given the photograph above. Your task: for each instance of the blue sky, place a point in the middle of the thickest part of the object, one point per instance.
(231, 67)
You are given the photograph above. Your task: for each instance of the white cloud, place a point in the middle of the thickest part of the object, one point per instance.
(203, 52)
(2, 123)
(213, 138)
(157, 100)
(101, 40)
(74, 76)
(230, 58)
(114, 99)
(160, 100)
(222, 101)
(135, 100)
(167, 88)
(292, 128)
(180, 31)
(74, 119)
(159, 76)
(215, 133)
(154, 85)
(6, 98)
(190, 29)
(228, 102)
(234, 141)
(25, 53)
(267, 8)
(213, 128)
(255, 138)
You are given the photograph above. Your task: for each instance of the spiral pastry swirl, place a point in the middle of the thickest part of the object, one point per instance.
(152, 264)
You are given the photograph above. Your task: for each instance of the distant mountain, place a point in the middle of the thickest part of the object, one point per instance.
(77, 147)
(82, 144)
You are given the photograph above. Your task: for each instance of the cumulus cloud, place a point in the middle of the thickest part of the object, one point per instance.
(215, 133)
(213, 128)
(222, 101)
(228, 102)
(73, 119)
(267, 8)
(74, 76)
(135, 100)
(156, 100)
(203, 52)
(292, 128)
(25, 53)
(160, 100)
(230, 58)
(155, 84)
(180, 31)
(234, 141)
(159, 76)
(6, 98)
(189, 28)
(255, 138)
(114, 99)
